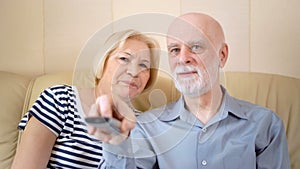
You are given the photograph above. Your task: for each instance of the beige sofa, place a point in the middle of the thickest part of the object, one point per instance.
(279, 93)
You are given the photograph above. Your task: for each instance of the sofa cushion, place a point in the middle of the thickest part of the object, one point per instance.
(13, 89)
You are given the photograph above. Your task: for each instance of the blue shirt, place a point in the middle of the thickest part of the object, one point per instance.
(241, 135)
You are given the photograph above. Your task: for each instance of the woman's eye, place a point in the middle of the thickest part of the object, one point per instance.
(124, 59)
(144, 66)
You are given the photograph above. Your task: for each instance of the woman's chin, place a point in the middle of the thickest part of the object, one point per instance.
(125, 96)
(125, 93)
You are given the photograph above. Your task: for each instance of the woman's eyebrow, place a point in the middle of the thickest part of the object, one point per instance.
(127, 53)
(145, 60)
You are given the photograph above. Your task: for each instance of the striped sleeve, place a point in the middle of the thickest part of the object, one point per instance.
(50, 109)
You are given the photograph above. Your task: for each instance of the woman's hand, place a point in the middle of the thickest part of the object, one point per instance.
(112, 107)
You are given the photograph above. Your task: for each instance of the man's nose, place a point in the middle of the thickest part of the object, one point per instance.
(185, 55)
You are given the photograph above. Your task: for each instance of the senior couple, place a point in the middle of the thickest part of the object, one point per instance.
(204, 128)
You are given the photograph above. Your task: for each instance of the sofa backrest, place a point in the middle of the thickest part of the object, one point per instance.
(279, 93)
(162, 92)
(40, 83)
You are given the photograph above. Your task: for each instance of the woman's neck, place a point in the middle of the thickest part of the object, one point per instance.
(87, 98)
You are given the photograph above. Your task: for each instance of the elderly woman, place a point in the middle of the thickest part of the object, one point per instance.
(55, 133)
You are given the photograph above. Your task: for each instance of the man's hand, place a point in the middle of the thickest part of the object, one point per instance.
(112, 107)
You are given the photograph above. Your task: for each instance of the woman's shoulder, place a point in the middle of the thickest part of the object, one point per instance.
(58, 94)
(60, 89)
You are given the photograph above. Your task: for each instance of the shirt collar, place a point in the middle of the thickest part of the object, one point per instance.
(173, 110)
(177, 109)
(232, 106)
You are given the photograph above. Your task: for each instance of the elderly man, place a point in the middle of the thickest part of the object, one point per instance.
(206, 127)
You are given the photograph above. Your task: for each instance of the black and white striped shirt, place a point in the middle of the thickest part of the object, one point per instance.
(58, 108)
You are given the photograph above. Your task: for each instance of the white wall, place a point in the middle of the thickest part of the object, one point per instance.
(38, 37)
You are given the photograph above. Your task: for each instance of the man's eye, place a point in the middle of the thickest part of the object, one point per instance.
(195, 47)
(174, 51)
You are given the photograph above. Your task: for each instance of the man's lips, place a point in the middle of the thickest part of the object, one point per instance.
(188, 73)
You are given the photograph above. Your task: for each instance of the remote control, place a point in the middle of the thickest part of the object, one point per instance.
(107, 124)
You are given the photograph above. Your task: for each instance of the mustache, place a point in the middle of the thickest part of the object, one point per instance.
(183, 69)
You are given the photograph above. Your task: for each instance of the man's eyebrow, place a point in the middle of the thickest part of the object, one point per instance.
(172, 45)
(189, 43)
(193, 42)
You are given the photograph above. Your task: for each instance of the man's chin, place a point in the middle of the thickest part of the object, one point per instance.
(191, 94)
(191, 91)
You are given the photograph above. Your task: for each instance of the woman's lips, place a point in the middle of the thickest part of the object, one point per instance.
(129, 83)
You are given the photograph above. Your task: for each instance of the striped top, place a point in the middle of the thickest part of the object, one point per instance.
(59, 109)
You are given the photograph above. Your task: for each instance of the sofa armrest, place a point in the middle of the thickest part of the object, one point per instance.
(13, 89)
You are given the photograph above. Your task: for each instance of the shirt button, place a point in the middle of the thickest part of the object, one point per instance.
(119, 157)
(204, 130)
(204, 162)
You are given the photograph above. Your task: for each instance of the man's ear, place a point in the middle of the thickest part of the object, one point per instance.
(223, 54)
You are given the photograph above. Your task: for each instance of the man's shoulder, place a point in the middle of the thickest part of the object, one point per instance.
(255, 111)
(250, 106)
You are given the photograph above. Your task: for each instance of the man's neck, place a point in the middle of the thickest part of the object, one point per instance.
(204, 107)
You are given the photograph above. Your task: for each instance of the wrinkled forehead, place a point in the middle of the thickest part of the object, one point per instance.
(135, 45)
(181, 31)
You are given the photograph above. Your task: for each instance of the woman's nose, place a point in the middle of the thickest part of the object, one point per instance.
(133, 70)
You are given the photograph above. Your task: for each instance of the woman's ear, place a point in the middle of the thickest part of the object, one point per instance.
(223, 54)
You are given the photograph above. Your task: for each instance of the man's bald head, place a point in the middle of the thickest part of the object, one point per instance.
(201, 23)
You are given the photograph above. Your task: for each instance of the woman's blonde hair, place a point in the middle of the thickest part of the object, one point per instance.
(117, 40)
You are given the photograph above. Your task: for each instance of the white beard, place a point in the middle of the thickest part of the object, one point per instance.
(196, 85)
